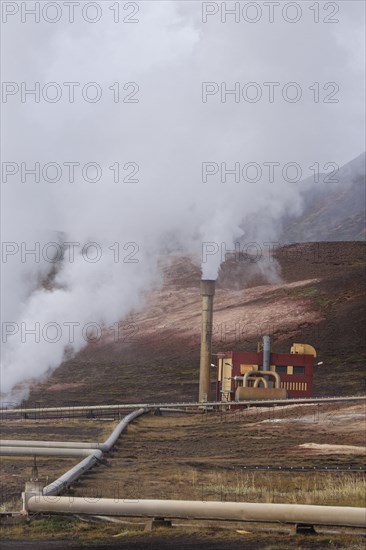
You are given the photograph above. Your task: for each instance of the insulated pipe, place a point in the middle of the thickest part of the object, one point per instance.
(48, 444)
(92, 456)
(267, 373)
(231, 511)
(260, 379)
(108, 444)
(207, 293)
(104, 408)
(257, 380)
(44, 451)
(266, 342)
(71, 475)
(64, 448)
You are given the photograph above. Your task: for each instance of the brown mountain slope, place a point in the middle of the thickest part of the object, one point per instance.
(333, 208)
(319, 300)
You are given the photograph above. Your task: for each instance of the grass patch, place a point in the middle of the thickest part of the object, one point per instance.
(63, 528)
(207, 538)
(317, 488)
(54, 524)
(13, 505)
(320, 300)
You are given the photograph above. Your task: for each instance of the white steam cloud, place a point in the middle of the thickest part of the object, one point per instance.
(168, 135)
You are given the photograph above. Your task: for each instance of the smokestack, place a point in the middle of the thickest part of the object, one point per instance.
(266, 341)
(207, 293)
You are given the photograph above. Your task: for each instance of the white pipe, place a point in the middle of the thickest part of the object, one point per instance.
(262, 372)
(92, 455)
(44, 451)
(53, 444)
(259, 380)
(91, 408)
(64, 448)
(108, 444)
(71, 475)
(256, 379)
(232, 511)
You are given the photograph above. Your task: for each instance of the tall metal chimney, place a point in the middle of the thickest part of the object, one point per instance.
(266, 344)
(207, 293)
(266, 341)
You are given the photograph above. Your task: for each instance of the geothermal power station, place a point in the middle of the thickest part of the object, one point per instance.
(243, 379)
(242, 375)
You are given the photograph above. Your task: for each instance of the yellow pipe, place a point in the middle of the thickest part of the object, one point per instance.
(258, 380)
(263, 373)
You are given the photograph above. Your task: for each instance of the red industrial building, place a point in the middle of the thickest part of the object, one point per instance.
(265, 375)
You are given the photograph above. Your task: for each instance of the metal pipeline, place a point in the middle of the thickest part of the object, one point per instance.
(260, 380)
(71, 475)
(207, 293)
(64, 481)
(262, 372)
(92, 455)
(257, 380)
(53, 444)
(230, 511)
(44, 451)
(87, 409)
(64, 448)
(108, 444)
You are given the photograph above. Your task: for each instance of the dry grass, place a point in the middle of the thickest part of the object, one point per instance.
(318, 488)
(72, 531)
(202, 456)
(13, 505)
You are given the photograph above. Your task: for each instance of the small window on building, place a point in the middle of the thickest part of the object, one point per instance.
(281, 369)
(299, 370)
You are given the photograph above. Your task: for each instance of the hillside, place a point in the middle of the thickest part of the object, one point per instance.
(318, 299)
(332, 210)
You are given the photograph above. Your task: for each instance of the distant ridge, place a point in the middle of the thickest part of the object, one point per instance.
(332, 211)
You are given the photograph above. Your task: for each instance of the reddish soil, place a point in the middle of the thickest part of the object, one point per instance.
(318, 298)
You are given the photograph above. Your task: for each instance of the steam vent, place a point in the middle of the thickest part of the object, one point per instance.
(207, 293)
